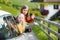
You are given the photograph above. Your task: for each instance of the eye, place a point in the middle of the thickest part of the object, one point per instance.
(25, 10)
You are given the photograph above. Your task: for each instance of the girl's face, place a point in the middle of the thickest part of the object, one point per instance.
(25, 11)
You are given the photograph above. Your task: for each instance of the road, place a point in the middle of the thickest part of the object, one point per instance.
(25, 36)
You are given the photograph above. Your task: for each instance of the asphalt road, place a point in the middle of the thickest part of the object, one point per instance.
(25, 36)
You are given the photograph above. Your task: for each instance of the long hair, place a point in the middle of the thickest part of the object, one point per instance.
(24, 7)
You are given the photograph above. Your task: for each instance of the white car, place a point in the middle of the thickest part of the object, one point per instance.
(4, 16)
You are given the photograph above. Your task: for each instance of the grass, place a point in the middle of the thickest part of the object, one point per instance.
(40, 34)
(9, 9)
(25, 2)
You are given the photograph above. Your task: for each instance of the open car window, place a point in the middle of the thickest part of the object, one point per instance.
(9, 17)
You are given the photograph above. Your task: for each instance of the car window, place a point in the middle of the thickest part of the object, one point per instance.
(9, 17)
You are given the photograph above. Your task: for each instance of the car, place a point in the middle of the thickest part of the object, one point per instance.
(2, 15)
(6, 32)
(5, 25)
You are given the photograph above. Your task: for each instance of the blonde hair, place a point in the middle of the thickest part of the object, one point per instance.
(19, 28)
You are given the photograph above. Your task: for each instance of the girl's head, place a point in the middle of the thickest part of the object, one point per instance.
(24, 9)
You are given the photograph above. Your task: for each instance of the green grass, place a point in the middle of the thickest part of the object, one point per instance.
(40, 34)
(9, 9)
(25, 2)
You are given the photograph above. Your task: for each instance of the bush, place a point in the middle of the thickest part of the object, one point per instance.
(15, 6)
(3, 2)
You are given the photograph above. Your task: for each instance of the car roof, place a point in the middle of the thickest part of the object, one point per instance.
(3, 13)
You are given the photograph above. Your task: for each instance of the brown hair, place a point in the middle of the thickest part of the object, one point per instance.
(23, 7)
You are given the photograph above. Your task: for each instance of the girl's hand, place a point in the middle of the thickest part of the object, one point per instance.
(32, 16)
